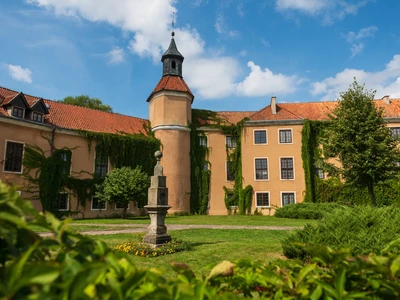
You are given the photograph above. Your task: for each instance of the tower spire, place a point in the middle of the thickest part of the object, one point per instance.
(173, 25)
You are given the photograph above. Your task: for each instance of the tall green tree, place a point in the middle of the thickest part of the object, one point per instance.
(86, 101)
(358, 137)
(123, 185)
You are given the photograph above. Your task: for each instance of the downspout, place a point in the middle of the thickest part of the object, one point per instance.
(52, 138)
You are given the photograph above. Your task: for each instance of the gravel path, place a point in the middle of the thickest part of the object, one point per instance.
(143, 228)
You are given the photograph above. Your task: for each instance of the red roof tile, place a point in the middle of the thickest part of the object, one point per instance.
(317, 110)
(171, 83)
(81, 118)
(233, 117)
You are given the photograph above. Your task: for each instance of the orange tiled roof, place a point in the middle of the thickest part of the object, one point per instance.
(80, 118)
(234, 117)
(171, 83)
(316, 110)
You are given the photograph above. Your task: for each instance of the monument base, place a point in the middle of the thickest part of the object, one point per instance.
(156, 240)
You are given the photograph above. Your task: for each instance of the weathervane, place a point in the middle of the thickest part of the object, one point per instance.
(173, 24)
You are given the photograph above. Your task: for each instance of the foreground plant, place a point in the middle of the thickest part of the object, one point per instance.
(72, 266)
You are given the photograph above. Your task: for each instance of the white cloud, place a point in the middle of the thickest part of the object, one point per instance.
(354, 38)
(329, 10)
(116, 56)
(263, 82)
(19, 73)
(222, 28)
(385, 82)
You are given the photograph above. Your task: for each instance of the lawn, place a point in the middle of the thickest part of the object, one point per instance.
(205, 220)
(211, 246)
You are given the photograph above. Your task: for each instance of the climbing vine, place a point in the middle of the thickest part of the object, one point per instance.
(125, 150)
(200, 173)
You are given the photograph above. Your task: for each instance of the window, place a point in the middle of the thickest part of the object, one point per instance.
(13, 160)
(320, 173)
(97, 205)
(173, 64)
(287, 168)
(230, 142)
(261, 168)
(230, 175)
(288, 198)
(285, 136)
(121, 205)
(262, 199)
(395, 132)
(101, 165)
(17, 112)
(203, 140)
(206, 166)
(62, 202)
(37, 117)
(260, 136)
(65, 156)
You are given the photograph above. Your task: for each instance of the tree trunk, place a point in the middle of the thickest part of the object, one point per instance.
(124, 211)
(372, 193)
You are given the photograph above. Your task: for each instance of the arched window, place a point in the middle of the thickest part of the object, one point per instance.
(173, 65)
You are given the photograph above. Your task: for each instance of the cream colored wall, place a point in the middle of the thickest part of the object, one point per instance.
(82, 160)
(170, 109)
(273, 151)
(217, 157)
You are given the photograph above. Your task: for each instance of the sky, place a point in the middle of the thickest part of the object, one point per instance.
(238, 53)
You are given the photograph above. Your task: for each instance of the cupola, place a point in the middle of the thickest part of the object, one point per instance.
(172, 59)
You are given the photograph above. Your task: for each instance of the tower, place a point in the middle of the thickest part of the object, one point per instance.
(170, 112)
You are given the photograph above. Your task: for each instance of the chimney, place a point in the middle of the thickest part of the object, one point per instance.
(273, 105)
(386, 99)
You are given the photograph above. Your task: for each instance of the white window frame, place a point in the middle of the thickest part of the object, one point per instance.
(68, 198)
(5, 156)
(233, 141)
(205, 136)
(266, 137)
(322, 172)
(70, 164)
(391, 130)
(91, 205)
(279, 135)
(121, 208)
(288, 192)
(280, 168)
(262, 192)
(94, 164)
(254, 168)
(19, 193)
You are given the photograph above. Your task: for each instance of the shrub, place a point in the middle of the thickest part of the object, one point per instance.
(308, 210)
(363, 229)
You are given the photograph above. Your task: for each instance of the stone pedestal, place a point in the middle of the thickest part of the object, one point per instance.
(157, 207)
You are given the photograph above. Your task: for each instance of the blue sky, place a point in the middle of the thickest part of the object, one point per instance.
(238, 53)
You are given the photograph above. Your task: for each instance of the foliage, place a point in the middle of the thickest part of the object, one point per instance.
(125, 150)
(86, 101)
(72, 266)
(123, 185)
(362, 229)
(139, 248)
(46, 176)
(359, 137)
(308, 210)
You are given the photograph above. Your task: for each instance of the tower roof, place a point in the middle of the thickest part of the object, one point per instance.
(172, 50)
(171, 83)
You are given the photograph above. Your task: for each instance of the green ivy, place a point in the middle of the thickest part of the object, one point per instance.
(125, 150)
(200, 176)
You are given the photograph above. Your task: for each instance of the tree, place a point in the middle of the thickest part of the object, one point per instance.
(358, 137)
(86, 101)
(123, 185)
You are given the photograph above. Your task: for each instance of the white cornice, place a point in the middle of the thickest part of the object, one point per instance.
(171, 127)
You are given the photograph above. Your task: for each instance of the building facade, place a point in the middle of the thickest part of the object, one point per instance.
(270, 142)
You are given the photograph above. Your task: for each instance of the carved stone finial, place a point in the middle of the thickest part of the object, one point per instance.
(158, 169)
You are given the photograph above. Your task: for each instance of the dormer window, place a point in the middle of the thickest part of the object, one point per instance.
(37, 117)
(173, 65)
(17, 112)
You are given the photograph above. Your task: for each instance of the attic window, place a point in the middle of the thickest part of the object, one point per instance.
(17, 112)
(37, 117)
(173, 65)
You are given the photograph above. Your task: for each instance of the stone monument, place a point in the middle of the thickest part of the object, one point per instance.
(157, 206)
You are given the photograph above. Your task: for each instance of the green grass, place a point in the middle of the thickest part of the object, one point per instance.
(205, 220)
(211, 246)
(81, 228)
